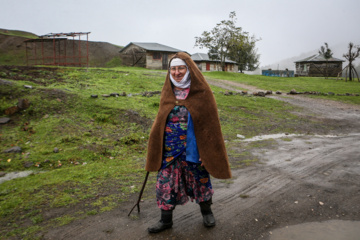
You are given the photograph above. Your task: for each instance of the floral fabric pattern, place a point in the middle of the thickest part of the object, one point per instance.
(179, 179)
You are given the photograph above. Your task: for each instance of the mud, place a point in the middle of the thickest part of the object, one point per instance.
(300, 179)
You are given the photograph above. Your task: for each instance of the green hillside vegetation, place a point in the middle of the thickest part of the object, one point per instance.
(18, 33)
(102, 141)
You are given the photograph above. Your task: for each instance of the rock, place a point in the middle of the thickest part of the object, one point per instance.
(4, 120)
(123, 94)
(268, 92)
(331, 93)
(56, 150)
(94, 96)
(11, 110)
(2, 174)
(240, 136)
(293, 91)
(23, 103)
(28, 164)
(244, 92)
(105, 95)
(15, 149)
(261, 94)
(114, 94)
(28, 86)
(278, 92)
(4, 82)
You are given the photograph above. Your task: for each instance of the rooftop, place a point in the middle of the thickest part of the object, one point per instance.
(153, 47)
(205, 57)
(319, 58)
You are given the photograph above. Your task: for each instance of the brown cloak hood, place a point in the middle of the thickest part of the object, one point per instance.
(202, 106)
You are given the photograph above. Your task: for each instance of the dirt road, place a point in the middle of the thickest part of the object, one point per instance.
(305, 179)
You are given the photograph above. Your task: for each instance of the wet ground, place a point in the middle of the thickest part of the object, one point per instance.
(307, 180)
(329, 230)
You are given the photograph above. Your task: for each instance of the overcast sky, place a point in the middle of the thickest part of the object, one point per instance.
(287, 27)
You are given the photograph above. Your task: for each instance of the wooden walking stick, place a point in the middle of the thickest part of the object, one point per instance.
(141, 192)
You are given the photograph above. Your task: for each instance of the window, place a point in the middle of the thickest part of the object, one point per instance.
(156, 55)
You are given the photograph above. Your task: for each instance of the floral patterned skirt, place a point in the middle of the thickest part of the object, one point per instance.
(181, 180)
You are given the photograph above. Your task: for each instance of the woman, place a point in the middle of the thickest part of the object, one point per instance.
(186, 143)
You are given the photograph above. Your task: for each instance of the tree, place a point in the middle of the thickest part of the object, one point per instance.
(327, 54)
(351, 56)
(224, 37)
(243, 51)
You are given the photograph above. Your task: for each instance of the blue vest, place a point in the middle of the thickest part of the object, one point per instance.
(192, 153)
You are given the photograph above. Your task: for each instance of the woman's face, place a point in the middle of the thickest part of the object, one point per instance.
(178, 72)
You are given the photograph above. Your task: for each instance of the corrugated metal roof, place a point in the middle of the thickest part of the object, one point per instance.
(196, 57)
(153, 47)
(319, 58)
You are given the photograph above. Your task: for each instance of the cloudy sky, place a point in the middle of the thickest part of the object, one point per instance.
(287, 27)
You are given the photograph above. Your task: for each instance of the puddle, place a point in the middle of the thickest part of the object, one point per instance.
(14, 175)
(280, 135)
(329, 230)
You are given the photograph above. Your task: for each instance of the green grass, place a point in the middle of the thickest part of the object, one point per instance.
(18, 33)
(300, 84)
(102, 141)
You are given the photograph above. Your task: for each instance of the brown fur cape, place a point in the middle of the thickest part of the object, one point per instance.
(202, 106)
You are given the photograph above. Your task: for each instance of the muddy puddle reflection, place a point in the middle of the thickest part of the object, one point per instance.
(329, 230)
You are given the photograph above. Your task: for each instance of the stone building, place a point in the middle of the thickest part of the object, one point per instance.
(318, 66)
(147, 55)
(205, 64)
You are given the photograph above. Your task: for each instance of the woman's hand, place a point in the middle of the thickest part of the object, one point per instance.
(202, 164)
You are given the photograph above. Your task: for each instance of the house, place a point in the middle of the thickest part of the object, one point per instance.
(318, 66)
(147, 55)
(205, 64)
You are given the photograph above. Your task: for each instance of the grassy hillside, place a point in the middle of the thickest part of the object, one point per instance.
(17, 33)
(13, 51)
(87, 154)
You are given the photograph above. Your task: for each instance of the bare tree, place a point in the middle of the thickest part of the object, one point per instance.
(351, 56)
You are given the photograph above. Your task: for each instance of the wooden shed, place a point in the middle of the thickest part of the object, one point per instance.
(318, 66)
(205, 64)
(147, 55)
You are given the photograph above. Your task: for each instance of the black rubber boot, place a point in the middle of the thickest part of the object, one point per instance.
(208, 216)
(164, 223)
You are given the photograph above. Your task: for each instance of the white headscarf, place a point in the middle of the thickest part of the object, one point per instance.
(186, 81)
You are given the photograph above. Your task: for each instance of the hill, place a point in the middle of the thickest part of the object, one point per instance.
(13, 52)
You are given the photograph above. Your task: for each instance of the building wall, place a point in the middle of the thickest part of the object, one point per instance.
(277, 73)
(139, 57)
(155, 60)
(213, 66)
(134, 56)
(318, 69)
